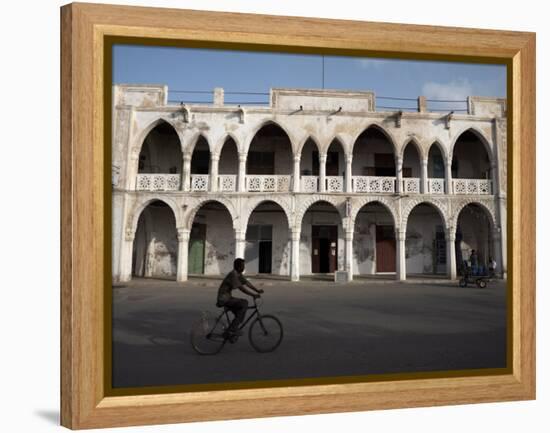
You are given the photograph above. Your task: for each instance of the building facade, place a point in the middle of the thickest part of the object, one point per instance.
(318, 181)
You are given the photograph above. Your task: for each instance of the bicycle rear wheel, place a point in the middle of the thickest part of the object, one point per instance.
(265, 333)
(207, 335)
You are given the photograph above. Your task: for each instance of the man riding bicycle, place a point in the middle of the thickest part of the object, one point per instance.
(238, 306)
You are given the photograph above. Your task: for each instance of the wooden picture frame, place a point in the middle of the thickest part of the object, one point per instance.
(85, 217)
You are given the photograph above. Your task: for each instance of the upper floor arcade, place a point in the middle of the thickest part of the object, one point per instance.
(306, 141)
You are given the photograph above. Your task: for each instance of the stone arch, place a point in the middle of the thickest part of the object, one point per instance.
(379, 127)
(437, 142)
(459, 206)
(255, 202)
(195, 139)
(358, 205)
(142, 134)
(257, 129)
(140, 205)
(302, 143)
(335, 201)
(480, 135)
(440, 206)
(343, 143)
(419, 148)
(188, 220)
(223, 140)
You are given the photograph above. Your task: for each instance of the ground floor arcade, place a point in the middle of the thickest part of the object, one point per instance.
(319, 236)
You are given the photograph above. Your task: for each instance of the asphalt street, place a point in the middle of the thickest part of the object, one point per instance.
(360, 328)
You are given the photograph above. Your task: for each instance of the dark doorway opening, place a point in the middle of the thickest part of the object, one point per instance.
(264, 259)
(324, 254)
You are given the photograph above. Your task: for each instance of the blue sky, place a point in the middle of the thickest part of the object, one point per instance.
(246, 71)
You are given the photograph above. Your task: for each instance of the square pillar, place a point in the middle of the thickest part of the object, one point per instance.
(240, 243)
(183, 253)
(126, 256)
(400, 259)
(296, 176)
(241, 177)
(349, 178)
(214, 164)
(451, 252)
(399, 174)
(348, 267)
(424, 176)
(295, 254)
(322, 171)
(186, 175)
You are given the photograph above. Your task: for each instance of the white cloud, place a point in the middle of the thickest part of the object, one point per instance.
(453, 90)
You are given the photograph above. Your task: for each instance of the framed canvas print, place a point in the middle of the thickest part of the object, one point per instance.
(264, 215)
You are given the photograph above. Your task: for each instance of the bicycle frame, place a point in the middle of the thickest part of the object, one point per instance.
(225, 313)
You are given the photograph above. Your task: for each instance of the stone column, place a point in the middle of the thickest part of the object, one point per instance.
(400, 259)
(349, 178)
(451, 252)
(214, 164)
(186, 176)
(424, 176)
(241, 183)
(322, 171)
(183, 253)
(449, 176)
(348, 266)
(399, 174)
(295, 254)
(240, 243)
(296, 176)
(126, 256)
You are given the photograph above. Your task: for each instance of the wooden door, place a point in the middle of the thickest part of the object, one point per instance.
(197, 240)
(385, 249)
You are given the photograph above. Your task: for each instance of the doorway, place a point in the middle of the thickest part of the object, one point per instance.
(385, 249)
(324, 252)
(197, 240)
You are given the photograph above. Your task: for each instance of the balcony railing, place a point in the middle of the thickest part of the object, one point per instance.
(436, 186)
(472, 186)
(268, 183)
(309, 183)
(158, 182)
(373, 184)
(411, 185)
(334, 183)
(200, 182)
(227, 182)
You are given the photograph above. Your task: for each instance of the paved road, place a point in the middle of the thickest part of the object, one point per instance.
(364, 327)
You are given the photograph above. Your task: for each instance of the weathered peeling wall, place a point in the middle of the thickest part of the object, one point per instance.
(219, 249)
(419, 245)
(363, 154)
(473, 227)
(155, 244)
(364, 239)
(472, 160)
(319, 218)
(280, 245)
(161, 153)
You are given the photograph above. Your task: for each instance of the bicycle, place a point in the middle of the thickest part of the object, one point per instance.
(209, 334)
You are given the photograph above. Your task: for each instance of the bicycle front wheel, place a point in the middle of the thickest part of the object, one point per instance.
(207, 335)
(265, 333)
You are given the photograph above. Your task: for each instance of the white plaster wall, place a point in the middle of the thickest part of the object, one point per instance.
(364, 239)
(156, 244)
(421, 229)
(280, 247)
(219, 249)
(318, 218)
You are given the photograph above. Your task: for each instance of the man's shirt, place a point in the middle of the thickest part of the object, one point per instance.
(232, 281)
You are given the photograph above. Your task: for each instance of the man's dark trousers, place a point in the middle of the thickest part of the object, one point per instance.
(238, 307)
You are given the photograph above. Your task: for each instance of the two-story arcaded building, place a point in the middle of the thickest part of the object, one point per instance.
(317, 181)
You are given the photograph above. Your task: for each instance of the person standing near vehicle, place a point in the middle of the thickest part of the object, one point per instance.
(238, 306)
(473, 262)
